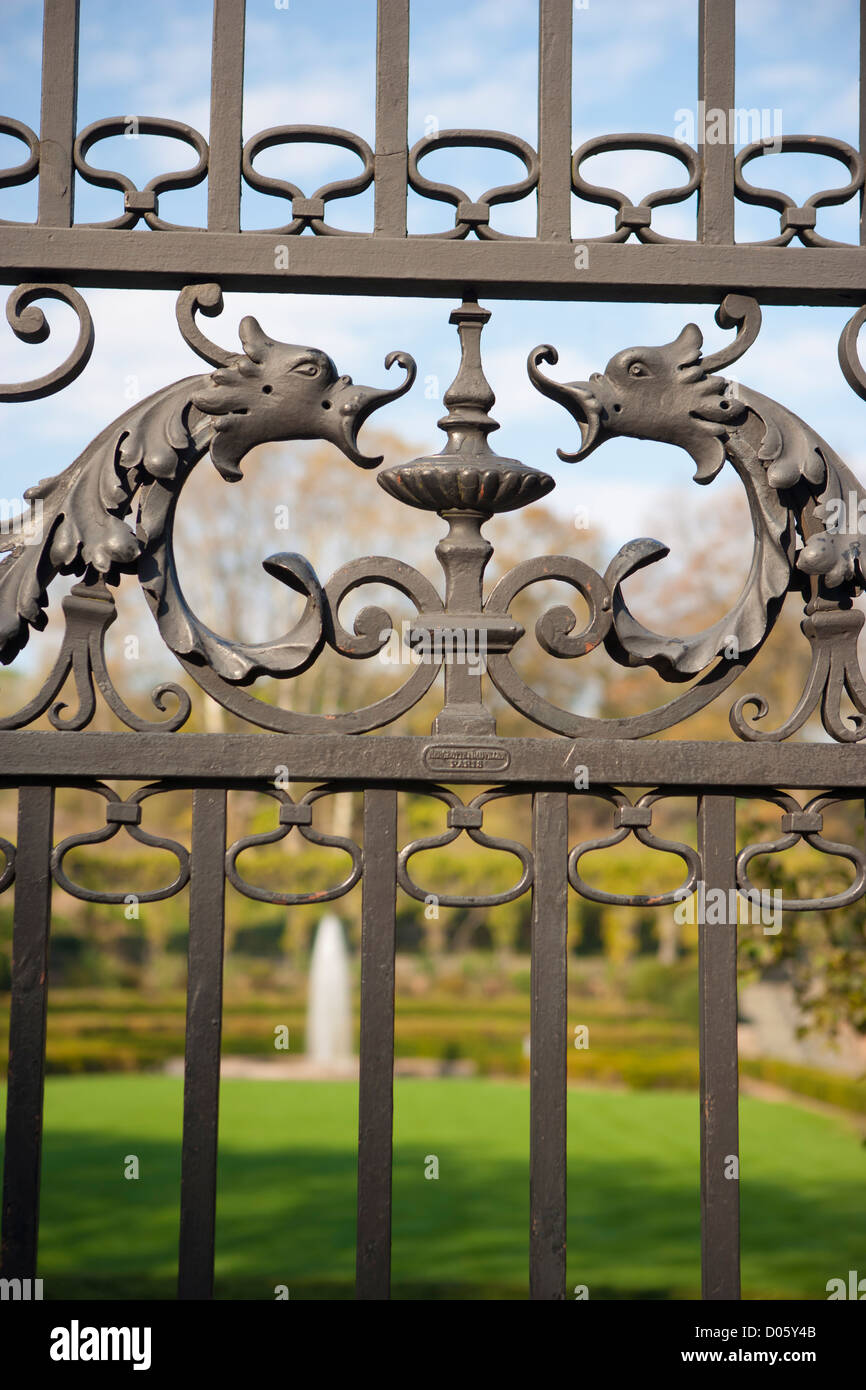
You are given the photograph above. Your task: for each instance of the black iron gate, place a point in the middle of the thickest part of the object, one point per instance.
(111, 513)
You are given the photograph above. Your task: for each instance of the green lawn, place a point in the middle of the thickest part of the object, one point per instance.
(287, 1191)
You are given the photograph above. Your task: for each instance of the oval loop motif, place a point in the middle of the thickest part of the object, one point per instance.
(295, 814)
(469, 818)
(308, 212)
(634, 819)
(140, 203)
(469, 215)
(798, 221)
(635, 218)
(803, 817)
(127, 814)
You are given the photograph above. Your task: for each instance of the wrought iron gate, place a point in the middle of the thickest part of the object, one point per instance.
(111, 513)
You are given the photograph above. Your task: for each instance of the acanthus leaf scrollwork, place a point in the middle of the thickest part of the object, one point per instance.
(797, 486)
(77, 521)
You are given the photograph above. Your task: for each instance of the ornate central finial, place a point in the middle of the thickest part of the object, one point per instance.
(467, 475)
(466, 483)
(470, 395)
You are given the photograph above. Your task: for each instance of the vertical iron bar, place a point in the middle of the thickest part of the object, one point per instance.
(376, 1084)
(203, 1033)
(392, 117)
(57, 120)
(717, 967)
(226, 117)
(554, 120)
(548, 1044)
(716, 59)
(32, 918)
(862, 78)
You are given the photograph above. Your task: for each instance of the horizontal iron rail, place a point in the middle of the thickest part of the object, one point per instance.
(229, 759)
(690, 273)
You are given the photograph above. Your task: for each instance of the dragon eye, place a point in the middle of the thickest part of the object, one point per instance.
(637, 369)
(306, 369)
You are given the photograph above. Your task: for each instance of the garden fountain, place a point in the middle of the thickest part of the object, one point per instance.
(329, 1008)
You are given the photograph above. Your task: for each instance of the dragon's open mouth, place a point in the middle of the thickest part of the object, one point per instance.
(276, 392)
(593, 413)
(348, 406)
(578, 398)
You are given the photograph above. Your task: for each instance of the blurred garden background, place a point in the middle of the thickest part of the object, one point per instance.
(287, 1146)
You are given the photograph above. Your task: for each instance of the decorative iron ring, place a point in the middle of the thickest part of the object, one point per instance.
(635, 217)
(30, 325)
(308, 212)
(469, 818)
(469, 215)
(143, 202)
(634, 819)
(800, 819)
(849, 357)
(21, 173)
(798, 221)
(295, 815)
(554, 628)
(373, 625)
(127, 813)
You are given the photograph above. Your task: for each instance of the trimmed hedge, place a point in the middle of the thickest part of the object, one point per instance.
(846, 1092)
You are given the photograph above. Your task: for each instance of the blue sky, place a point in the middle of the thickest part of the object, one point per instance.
(473, 64)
